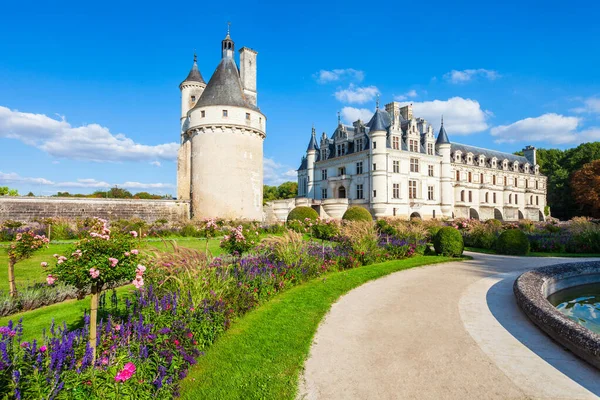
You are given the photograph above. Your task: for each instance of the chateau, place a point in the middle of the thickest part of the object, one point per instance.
(220, 161)
(395, 166)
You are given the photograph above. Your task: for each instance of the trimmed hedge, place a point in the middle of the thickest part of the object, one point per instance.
(513, 242)
(301, 213)
(357, 214)
(494, 222)
(449, 242)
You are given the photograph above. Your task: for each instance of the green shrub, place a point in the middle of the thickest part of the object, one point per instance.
(494, 222)
(325, 229)
(384, 227)
(449, 242)
(357, 214)
(512, 241)
(301, 213)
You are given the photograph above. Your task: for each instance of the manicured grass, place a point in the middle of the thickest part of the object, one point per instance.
(536, 254)
(261, 356)
(69, 311)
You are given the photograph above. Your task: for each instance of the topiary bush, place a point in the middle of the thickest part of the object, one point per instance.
(357, 213)
(494, 222)
(301, 213)
(512, 241)
(448, 242)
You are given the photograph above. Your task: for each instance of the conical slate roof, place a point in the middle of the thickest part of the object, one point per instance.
(312, 145)
(194, 75)
(224, 87)
(379, 122)
(442, 136)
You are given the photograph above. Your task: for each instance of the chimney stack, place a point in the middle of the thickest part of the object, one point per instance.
(530, 155)
(248, 73)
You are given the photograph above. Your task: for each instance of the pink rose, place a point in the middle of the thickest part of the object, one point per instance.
(138, 282)
(43, 349)
(134, 251)
(50, 280)
(140, 269)
(134, 234)
(126, 373)
(113, 261)
(126, 254)
(94, 273)
(44, 264)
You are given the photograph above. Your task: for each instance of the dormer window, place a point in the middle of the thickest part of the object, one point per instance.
(359, 145)
(430, 149)
(225, 113)
(414, 146)
(481, 161)
(202, 114)
(505, 164)
(396, 143)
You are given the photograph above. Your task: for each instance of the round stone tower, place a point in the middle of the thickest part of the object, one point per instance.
(226, 131)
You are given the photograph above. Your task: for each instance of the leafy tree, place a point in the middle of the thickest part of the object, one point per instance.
(6, 191)
(287, 190)
(30, 194)
(269, 193)
(585, 184)
(146, 196)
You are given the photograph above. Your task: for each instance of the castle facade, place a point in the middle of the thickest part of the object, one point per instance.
(395, 166)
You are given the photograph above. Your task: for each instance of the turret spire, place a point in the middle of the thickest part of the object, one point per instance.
(227, 45)
(194, 75)
(377, 103)
(442, 136)
(339, 118)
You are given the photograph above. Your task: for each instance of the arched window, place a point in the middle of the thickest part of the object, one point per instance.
(342, 192)
(462, 195)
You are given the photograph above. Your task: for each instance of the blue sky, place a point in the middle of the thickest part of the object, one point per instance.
(89, 92)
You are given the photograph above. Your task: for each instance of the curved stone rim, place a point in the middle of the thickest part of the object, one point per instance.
(532, 289)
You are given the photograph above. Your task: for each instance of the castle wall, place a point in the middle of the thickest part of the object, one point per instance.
(27, 209)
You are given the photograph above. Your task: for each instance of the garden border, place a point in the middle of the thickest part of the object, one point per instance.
(532, 289)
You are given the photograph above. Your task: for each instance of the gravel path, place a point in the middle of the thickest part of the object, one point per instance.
(448, 331)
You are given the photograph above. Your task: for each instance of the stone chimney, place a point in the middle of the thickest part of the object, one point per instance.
(407, 112)
(248, 73)
(530, 155)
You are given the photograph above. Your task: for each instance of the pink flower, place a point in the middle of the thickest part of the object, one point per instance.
(126, 373)
(55, 256)
(138, 282)
(50, 279)
(94, 273)
(176, 342)
(140, 270)
(134, 251)
(117, 327)
(126, 254)
(134, 234)
(44, 264)
(43, 349)
(113, 261)
(104, 361)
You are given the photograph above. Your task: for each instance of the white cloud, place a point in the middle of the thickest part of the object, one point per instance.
(461, 116)
(466, 75)
(590, 105)
(275, 173)
(325, 76)
(411, 94)
(14, 178)
(87, 142)
(155, 163)
(551, 128)
(351, 114)
(357, 94)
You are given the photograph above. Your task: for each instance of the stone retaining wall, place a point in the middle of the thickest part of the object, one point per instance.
(27, 209)
(532, 290)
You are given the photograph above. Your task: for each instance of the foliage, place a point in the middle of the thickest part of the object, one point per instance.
(512, 241)
(483, 236)
(301, 213)
(360, 238)
(240, 240)
(357, 213)
(586, 188)
(495, 222)
(286, 248)
(6, 191)
(287, 190)
(24, 245)
(325, 229)
(448, 242)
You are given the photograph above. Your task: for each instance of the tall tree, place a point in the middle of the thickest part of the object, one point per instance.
(585, 184)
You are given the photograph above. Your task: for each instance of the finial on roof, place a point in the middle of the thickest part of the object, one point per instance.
(442, 119)
(313, 130)
(195, 57)
(339, 118)
(377, 103)
(228, 27)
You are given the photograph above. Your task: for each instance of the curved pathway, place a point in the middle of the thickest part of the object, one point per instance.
(448, 331)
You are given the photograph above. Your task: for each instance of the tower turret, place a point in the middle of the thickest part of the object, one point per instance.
(443, 147)
(311, 157)
(378, 127)
(191, 89)
(227, 45)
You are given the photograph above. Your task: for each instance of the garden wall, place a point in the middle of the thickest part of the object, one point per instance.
(27, 209)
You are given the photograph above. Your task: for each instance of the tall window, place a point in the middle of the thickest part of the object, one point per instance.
(323, 154)
(359, 167)
(412, 189)
(430, 170)
(516, 199)
(396, 165)
(359, 144)
(470, 177)
(536, 184)
(374, 193)
(374, 144)
(323, 193)
(341, 149)
(341, 171)
(193, 98)
(494, 197)
(480, 178)
(462, 195)
(470, 196)
(458, 175)
(509, 198)
(493, 179)
(395, 142)
(247, 116)
(414, 146)
(396, 191)
(526, 183)
(487, 197)
(516, 182)
(505, 181)
(414, 165)
(537, 201)
(430, 149)
(359, 192)
(202, 114)
(430, 192)
(323, 174)
(374, 167)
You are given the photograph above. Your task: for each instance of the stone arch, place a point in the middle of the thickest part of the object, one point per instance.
(521, 216)
(415, 215)
(541, 216)
(342, 192)
(473, 214)
(498, 215)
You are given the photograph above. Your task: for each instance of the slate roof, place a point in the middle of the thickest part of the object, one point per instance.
(194, 75)
(224, 87)
(312, 145)
(487, 153)
(380, 121)
(442, 136)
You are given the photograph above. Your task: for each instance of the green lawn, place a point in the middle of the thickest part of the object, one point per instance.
(536, 254)
(30, 271)
(261, 356)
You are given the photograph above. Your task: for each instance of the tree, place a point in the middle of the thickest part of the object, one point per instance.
(30, 194)
(6, 191)
(146, 196)
(586, 188)
(23, 247)
(269, 193)
(287, 190)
